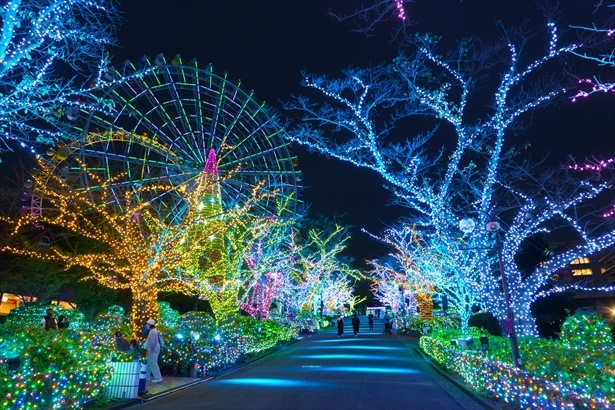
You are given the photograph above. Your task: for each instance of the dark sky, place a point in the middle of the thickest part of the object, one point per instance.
(265, 43)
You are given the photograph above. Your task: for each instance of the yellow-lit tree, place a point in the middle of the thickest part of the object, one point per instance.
(136, 249)
(225, 278)
(321, 276)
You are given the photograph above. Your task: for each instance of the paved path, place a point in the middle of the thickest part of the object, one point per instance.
(322, 371)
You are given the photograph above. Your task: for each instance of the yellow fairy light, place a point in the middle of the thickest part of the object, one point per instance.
(139, 251)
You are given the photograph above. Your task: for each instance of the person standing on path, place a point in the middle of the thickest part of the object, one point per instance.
(153, 344)
(387, 325)
(340, 326)
(370, 319)
(355, 324)
(49, 322)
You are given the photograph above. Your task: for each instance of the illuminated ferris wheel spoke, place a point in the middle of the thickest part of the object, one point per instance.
(165, 120)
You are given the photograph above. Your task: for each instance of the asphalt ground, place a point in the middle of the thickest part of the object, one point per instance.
(323, 371)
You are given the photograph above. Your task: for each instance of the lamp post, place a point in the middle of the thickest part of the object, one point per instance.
(467, 225)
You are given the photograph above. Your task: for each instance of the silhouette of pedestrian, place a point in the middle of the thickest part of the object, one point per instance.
(355, 324)
(370, 319)
(340, 326)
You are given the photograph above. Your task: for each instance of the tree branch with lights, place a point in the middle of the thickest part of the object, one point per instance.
(136, 249)
(365, 117)
(560, 204)
(321, 276)
(41, 38)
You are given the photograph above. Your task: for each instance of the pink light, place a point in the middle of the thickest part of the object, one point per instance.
(211, 165)
(596, 87)
(598, 166)
(401, 13)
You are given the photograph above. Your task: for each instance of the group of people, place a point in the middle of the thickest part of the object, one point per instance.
(152, 346)
(49, 322)
(356, 323)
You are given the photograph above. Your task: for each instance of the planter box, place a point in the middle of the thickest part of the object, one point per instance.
(125, 380)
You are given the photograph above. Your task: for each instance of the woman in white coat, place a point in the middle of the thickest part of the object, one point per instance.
(153, 344)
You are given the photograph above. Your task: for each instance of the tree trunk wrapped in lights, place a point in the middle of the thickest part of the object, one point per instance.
(144, 306)
(424, 302)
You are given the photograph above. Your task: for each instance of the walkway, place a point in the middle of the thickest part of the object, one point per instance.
(322, 371)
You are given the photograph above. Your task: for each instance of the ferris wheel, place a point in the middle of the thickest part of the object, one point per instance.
(165, 122)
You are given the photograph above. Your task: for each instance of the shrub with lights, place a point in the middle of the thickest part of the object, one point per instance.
(199, 341)
(58, 369)
(416, 325)
(579, 372)
(188, 343)
(30, 315)
(307, 321)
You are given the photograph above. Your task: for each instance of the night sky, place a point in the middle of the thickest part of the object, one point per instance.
(265, 43)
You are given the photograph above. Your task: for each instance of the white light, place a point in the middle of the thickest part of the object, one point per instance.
(467, 225)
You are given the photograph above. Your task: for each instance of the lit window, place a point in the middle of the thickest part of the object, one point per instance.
(579, 260)
(582, 272)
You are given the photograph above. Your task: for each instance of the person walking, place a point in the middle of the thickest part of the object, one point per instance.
(387, 324)
(153, 344)
(355, 324)
(340, 326)
(370, 319)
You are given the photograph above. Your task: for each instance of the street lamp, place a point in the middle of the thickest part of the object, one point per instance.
(467, 225)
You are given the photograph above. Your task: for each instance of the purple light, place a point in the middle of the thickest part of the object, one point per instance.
(401, 13)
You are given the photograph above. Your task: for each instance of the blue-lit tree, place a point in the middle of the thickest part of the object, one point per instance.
(51, 51)
(559, 207)
(440, 127)
(422, 268)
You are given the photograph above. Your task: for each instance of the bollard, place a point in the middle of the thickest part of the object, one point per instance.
(143, 379)
(193, 368)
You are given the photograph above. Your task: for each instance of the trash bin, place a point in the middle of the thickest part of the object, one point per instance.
(125, 380)
(143, 379)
